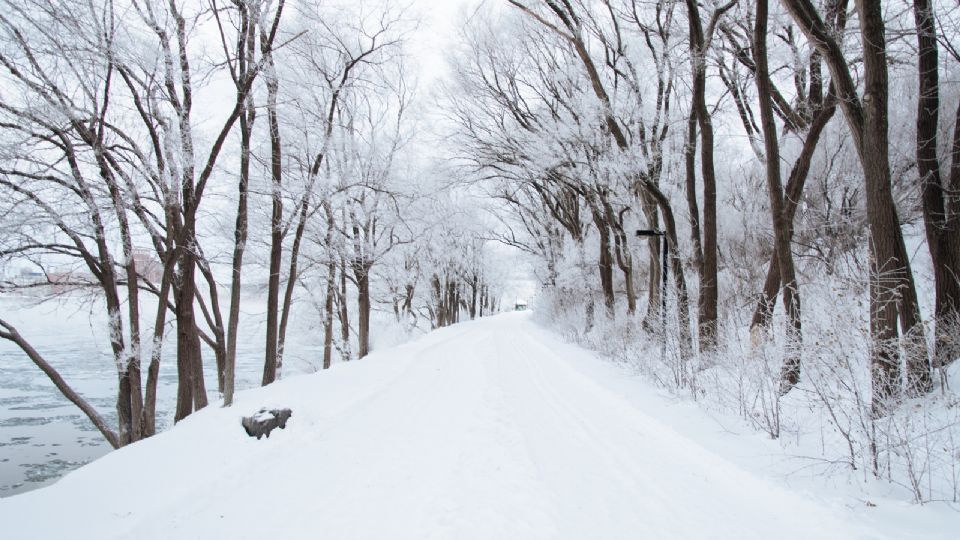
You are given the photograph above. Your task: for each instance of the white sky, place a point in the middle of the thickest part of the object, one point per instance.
(438, 30)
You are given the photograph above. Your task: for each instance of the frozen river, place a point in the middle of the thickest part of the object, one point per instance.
(42, 435)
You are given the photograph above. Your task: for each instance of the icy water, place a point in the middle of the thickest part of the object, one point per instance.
(42, 435)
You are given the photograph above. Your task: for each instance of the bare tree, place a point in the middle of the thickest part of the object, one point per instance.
(941, 211)
(242, 67)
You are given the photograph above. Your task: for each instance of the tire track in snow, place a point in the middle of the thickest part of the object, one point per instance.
(693, 491)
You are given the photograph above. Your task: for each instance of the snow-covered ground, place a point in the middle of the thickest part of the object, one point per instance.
(488, 429)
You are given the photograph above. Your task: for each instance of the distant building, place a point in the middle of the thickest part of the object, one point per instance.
(147, 265)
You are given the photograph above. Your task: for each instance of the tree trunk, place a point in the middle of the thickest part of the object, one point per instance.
(605, 259)
(247, 119)
(457, 303)
(191, 390)
(790, 373)
(133, 373)
(331, 289)
(239, 248)
(605, 267)
(451, 308)
(213, 316)
(328, 314)
(941, 222)
(149, 416)
(438, 317)
(625, 263)
(129, 396)
(654, 287)
(473, 296)
(276, 231)
(483, 300)
(344, 312)
(795, 184)
(184, 366)
(889, 267)
(708, 274)
(627, 268)
(693, 207)
(409, 289)
(621, 249)
(363, 307)
(293, 275)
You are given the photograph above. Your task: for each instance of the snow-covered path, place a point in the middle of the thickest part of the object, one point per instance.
(490, 429)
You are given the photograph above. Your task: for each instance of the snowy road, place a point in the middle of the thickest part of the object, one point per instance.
(490, 429)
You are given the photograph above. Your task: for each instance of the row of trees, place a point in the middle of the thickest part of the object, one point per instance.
(139, 141)
(588, 119)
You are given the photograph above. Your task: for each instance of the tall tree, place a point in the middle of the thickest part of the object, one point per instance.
(272, 349)
(241, 69)
(781, 227)
(941, 212)
(700, 40)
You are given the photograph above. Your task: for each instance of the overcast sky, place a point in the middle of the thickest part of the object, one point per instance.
(438, 30)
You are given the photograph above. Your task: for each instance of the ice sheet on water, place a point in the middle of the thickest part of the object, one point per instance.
(31, 420)
(49, 470)
(16, 441)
